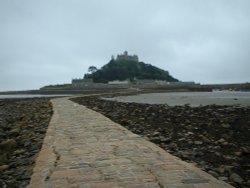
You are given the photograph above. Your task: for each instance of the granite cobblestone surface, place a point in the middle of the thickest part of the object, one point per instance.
(84, 149)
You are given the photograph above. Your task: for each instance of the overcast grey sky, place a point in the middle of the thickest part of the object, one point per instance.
(52, 41)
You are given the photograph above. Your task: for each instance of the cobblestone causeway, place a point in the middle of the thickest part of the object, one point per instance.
(84, 149)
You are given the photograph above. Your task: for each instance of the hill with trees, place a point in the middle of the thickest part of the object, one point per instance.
(127, 69)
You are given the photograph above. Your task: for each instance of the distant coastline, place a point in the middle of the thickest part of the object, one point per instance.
(57, 90)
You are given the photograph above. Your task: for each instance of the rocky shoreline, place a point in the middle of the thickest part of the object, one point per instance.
(23, 124)
(214, 138)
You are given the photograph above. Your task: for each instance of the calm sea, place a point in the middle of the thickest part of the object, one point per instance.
(28, 96)
(191, 98)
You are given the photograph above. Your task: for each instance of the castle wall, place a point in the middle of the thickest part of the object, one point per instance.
(127, 57)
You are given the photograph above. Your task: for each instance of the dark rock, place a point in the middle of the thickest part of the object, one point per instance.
(228, 157)
(3, 159)
(222, 140)
(2, 183)
(198, 142)
(238, 153)
(8, 145)
(3, 167)
(19, 151)
(165, 140)
(228, 168)
(156, 133)
(226, 126)
(15, 132)
(245, 150)
(15, 158)
(236, 178)
(155, 139)
(223, 178)
(213, 173)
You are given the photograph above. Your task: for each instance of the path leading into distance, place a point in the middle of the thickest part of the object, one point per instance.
(84, 149)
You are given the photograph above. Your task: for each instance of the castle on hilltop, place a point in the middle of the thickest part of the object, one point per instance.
(126, 57)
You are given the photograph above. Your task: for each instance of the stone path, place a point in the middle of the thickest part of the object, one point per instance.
(84, 149)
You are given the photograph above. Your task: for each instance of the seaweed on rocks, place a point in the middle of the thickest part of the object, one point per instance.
(214, 138)
(23, 124)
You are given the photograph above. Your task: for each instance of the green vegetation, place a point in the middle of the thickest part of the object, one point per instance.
(125, 69)
(58, 86)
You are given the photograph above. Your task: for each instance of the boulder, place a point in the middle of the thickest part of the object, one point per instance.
(8, 145)
(15, 132)
(226, 125)
(198, 142)
(213, 173)
(236, 178)
(3, 167)
(245, 150)
(3, 159)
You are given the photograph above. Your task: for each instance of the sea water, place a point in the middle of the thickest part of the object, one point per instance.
(190, 98)
(18, 96)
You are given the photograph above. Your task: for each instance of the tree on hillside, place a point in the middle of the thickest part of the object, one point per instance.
(127, 69)
(92, 69)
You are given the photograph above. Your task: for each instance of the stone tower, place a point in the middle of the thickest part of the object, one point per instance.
(127, 57)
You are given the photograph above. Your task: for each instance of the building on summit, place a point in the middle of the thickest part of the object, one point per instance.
(126, 57)
(81, 82)
(139, 83)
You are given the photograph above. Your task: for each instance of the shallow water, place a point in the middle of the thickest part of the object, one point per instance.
(191, 98)
(28, 96)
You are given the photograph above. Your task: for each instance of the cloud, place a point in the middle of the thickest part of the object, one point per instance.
(52, 41)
